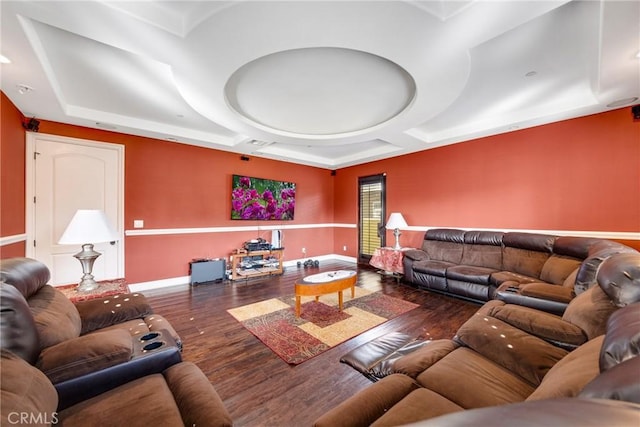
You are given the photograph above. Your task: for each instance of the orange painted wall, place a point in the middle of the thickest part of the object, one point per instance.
(581, 174)
(12, 170)
(171, 185)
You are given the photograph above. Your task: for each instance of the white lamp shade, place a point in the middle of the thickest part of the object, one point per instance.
(396, 220)
(88, 226)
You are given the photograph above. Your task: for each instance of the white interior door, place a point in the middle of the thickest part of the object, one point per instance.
(68, 174)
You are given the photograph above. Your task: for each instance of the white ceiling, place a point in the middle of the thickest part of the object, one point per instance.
(323, 83)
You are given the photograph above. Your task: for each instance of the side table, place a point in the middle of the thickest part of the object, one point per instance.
(107, 288)
(388, 260)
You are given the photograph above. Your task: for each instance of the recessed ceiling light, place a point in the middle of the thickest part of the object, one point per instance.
(172, 139)
(22, 89)
(622, 102)
(4, 60)
(531, 74)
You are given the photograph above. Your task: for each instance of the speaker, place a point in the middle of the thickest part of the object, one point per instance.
(635, 110)
(32, 124)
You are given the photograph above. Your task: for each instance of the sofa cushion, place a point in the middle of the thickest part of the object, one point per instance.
(198, 402)
(500, 277)
(622, 341)
(369, 404)
(415, 254)
(85, 354)
(148, 398)
(469, 273)
(523, 261)
(590, 311)
(569, 376)
(432, 267)
(420, 404)
(55, 316)
(483, 248)
(25, 274)
(18, 332)
(619, 383)
(24, 389)
(547, 291)
(544, 325)
(515, 350)
(473, 381)
(102, 312)
(557, 268)
(414, 363)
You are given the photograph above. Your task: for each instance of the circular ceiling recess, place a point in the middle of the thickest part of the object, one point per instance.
(320, 91)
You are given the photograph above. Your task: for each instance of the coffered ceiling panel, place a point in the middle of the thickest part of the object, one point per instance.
(323, 83)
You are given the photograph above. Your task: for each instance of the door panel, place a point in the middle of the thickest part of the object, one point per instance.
(70, 176)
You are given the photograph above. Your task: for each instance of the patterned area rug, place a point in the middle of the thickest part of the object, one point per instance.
(321, 325)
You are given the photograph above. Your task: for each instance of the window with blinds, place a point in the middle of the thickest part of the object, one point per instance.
(371, 214)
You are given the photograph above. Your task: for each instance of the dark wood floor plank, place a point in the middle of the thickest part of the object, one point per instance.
(257, 387)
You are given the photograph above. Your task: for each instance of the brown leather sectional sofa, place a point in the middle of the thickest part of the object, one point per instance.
(109, 361)
(537, 270)
(510, 354)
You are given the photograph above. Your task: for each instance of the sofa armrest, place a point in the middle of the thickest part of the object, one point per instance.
(197, 400)
(85, 354)
(544, 325)
(412, 364)
(548, 292)
(152, 354)
(363, 408)
(103, 312)
(415, 254)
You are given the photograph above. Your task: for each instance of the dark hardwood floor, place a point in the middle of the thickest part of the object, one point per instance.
(257, 387)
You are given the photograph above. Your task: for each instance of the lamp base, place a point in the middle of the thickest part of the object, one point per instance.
(397, 233)
(88, 284)
(87, 257)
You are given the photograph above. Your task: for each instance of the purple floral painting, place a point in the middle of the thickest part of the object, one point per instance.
(262, 199)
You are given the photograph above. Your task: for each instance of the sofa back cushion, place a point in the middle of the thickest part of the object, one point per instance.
(590, 311)
(25, 274)
(25, 390)
(18, 332)
(526, 253)
(483, 249)
(557, 268)
(56, 318)
(443, 244)
(569, 376)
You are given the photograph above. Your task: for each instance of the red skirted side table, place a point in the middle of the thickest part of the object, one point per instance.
(388, 260)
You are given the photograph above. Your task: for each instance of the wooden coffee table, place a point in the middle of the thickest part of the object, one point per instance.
(325, 283)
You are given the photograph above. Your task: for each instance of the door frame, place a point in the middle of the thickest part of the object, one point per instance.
(382, 178)
(30, 187)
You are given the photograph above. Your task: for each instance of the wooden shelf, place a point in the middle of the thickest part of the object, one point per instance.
(273, 264)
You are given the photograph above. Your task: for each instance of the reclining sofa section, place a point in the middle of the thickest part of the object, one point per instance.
(515, 267)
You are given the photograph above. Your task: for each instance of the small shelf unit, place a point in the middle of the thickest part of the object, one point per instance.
(252, 264)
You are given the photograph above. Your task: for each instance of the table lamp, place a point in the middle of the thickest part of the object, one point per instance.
(396, 222)
(88, 226)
